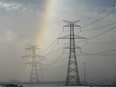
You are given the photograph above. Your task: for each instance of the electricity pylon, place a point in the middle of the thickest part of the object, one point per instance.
(85, 79)
(33, 56)
(72, 71)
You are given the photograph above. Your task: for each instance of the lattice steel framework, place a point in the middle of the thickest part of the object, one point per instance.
(72, 71)
(34, 78)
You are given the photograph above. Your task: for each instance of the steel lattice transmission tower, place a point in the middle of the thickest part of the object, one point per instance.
(34, 78)
(72, 71)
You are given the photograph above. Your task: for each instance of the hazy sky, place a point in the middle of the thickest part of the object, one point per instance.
(21, 20)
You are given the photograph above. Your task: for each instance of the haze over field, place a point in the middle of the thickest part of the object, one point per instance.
(26, 22)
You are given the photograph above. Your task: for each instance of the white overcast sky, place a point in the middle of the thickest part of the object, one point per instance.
(19, 24)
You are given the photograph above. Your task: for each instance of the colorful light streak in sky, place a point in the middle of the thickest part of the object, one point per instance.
(44, 23)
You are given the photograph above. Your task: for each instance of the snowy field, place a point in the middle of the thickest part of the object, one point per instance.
(64, 86)
(55, 85)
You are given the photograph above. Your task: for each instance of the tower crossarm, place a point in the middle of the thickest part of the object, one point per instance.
(30, 63)
(75, 37)
(71, 22)
(76, 47)
(73, 25)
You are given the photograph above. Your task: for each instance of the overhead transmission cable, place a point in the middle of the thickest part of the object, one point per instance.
(98, 19)
(108, 51)
(60, 66)
(59, 48)
(111, 42)
(55, 61)
(99, 28)
(50, 46)
(62, 59)
(51, 50)
(66, 63)
(98, 54)
(52, 43)
(104, 53)
(101, 33)
(86, 26)
(83, 46)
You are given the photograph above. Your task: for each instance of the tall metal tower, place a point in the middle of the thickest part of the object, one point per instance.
(33, 56)
(72, 71)
(85, 80)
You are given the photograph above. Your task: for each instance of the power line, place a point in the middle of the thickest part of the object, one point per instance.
(50, 51)
(83, 46)
(61, 55)
(104, 42)
(97, 20)
(60, 66)
(52, 43)
(50, 46)
(98, 54)
(104, 53)
(86, 54)
(88, 38)
(54, 61)
(109, 54)
(63, 59)
(59, 48)
(101, 33)
(98, 28)
(106, 9)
